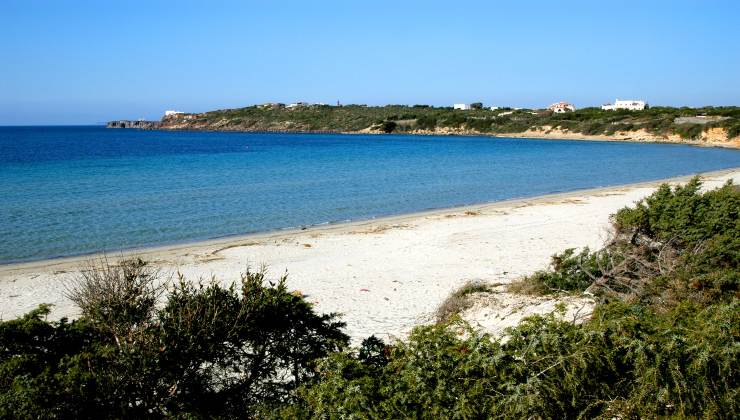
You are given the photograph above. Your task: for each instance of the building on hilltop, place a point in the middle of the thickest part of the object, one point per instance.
(461, 106)
(631, 105)
(561, 107)
(170, 113)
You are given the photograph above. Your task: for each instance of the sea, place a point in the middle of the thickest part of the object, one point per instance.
(78, 190)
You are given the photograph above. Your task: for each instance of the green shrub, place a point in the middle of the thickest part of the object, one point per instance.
(626, 361)
(689, 131)
(426, 122)
(594, 128)
(733, 130)
(482, 125)
(570, 272)
(683, 213)
(209, 352)
(389, 126)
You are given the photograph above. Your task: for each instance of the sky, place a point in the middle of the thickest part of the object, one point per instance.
(86, 62)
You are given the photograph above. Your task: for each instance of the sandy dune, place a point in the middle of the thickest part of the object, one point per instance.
(385, 275)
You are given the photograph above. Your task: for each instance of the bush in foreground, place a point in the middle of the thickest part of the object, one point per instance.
(627, 362)
(209, 351)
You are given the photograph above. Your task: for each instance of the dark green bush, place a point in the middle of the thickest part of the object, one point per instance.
(689, 131)
(733, 130)
(210, 351)
(482, 125)
(594, 128)
(683, 214)
(454, 119)
(426, 123)
(389, 126)
(626, 362)
(570, 272)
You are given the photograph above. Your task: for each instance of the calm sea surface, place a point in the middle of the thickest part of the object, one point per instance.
(77, 190)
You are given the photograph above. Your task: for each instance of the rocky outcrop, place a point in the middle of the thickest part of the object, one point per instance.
(144, 125)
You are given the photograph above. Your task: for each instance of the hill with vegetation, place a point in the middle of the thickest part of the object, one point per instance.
(709, 125)
(663, 341)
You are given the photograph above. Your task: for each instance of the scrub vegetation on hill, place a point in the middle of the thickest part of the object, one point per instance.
(662, 342)
(658, 121)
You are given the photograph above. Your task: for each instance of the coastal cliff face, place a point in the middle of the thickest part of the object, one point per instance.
(710, 137)
(144, 125)
(647, 126)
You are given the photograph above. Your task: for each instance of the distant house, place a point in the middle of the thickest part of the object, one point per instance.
(493, 108)
(561, 107)
(297, 105)
(631, 105)
(169, 113)
(461, 106)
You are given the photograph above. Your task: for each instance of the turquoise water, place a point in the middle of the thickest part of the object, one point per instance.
(76, 190)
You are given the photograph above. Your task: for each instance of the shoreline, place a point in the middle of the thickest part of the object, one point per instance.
(733, 143)
(327, 227)
(387, 275)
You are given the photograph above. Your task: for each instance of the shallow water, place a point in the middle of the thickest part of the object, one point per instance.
(76, 190)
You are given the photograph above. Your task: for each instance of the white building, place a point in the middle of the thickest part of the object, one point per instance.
(631, 105)
(461, 106)
(561, 107)
(171, 112)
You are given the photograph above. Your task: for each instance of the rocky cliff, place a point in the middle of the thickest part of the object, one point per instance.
(144, 125)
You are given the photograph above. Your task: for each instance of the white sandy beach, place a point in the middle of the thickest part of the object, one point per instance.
(387, 275)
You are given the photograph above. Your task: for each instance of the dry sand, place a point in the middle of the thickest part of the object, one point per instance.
(386, 275)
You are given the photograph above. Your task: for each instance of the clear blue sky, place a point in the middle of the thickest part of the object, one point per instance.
(78, 62)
